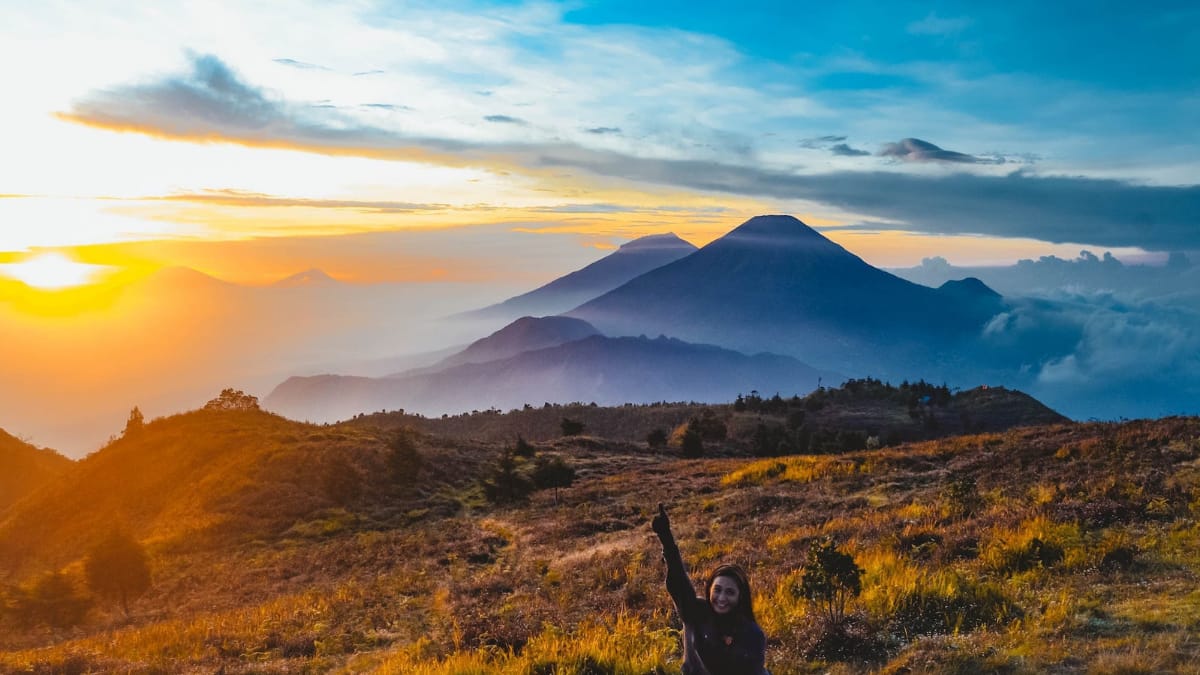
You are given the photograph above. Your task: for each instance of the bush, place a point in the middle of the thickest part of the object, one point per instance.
(571, 427)
(692, 443)
(656, 438)
(403, 460)
(828, 580)
(51, 600)
(953, 605)
(508, 481)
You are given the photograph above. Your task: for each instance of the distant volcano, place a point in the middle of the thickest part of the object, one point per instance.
(631, 260)
(775, 284)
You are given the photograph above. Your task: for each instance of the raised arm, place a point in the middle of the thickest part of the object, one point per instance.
(691, 608)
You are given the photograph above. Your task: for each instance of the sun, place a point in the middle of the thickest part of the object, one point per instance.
(51, 271)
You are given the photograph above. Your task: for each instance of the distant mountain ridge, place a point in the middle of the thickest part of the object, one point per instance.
(629, 261)
(525, 334)
(604, 370)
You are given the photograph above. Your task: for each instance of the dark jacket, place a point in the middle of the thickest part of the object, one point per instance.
(712, 644)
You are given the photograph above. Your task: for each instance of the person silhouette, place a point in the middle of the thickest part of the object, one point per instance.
(720, 634)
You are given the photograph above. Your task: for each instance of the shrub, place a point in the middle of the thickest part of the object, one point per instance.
(657, 438)
(828, 580)
(950, 604)
(51, 600)
(692, 444)
(552, 472)
(571, 427)
(403, 460)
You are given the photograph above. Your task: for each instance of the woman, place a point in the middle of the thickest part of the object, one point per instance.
(720, 635)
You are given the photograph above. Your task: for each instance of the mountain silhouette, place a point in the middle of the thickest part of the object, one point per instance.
(775, 284)
(525, 334)
(631, 260)
(604, 370)
(311, 277)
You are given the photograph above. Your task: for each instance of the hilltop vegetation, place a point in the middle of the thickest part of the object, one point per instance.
(276, 546)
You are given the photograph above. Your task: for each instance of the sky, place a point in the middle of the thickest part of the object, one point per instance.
(499, 145)
(906, 130)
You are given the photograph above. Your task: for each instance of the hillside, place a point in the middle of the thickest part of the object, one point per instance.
(604, 370)
(25, 468)
(1065, 548)
(860, 408)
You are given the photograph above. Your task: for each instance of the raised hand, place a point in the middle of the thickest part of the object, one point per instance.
(661, 523)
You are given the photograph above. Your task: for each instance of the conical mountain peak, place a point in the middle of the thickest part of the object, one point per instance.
(779, 231)
(669, 240)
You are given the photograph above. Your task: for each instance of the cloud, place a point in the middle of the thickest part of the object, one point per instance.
(819, 141)
(603, 130)
(384, 106)
(933, 24)
(292, 63)
(505, 119)
(917, 150)
(212, 103)
(254, 199)
(843, 150)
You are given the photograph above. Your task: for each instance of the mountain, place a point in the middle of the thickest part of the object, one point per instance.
(524, 334)
(631, 260)
(312, 277)
(607, 371)
(775, 284)
(25, 468)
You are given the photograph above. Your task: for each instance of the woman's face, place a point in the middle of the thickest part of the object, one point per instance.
(724, 595)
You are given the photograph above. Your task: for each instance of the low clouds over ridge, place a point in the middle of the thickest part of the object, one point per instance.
(213, 103)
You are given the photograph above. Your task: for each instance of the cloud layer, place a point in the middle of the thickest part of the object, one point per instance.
(212, 103)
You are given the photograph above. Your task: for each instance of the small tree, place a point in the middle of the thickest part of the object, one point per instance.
(341, 481)
(692, 443)
(657, 438)
(552, 472)
(135, 423)
(233, 399)
(52, 600)
(403, 460)
(829, 579)
(507, 482)
(571, 427)
(118, 567)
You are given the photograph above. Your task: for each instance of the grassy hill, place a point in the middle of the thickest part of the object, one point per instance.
(25, 468)
(1057, 548)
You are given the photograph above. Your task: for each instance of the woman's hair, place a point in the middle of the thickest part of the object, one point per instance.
(745, 605)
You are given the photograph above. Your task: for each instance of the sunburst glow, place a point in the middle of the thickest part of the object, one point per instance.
(52, 271)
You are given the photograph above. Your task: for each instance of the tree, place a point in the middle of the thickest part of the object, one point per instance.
(571, 427)
(507, 482)
(341, 481)
(118, 568)
(692, 443)
(403, 460)
(657, 438)
(52, 600)
(828, 580)
(552, 472)
(233, 399)
(135, 423)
